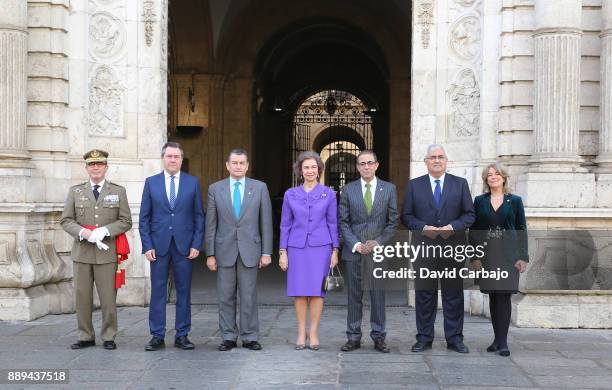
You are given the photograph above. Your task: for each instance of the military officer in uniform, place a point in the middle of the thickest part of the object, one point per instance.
(95, 213)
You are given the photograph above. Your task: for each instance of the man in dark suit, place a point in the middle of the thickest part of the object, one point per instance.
(171, 231)
(367, 217)
(438, 208)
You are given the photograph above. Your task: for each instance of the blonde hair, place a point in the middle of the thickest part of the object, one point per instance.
(499, 169)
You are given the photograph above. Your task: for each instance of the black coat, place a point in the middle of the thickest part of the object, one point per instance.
(514, 225)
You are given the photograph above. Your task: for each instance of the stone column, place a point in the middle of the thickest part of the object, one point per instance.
(13, 80)
(557, 85)
(604, 159)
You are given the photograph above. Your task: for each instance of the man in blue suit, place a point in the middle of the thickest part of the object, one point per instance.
(438, 208)
(171, 232)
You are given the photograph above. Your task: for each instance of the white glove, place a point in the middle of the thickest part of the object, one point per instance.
(102, 246)
(98, 234)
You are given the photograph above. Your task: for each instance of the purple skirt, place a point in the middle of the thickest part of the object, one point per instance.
(308, 267)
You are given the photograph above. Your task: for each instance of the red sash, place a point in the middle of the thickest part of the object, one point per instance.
(123, 250)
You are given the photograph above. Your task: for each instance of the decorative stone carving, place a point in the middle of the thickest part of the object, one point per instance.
(4, 253)
(464, 96)
(465, 37)
(164, 30)
(465, 3)
(105, 104)
(35, 251)
(106, 34)
(425, 17)
(148, 16)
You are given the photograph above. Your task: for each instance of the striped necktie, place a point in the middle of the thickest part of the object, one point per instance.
(172, 192)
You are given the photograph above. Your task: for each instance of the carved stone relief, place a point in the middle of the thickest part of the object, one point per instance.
(465, 37)
(465, 3)
(105, 104)
(106, 35)
(164, 29)
(425, 17)
(464, 96)
(148, 16)
(4, 253)
(35, 251)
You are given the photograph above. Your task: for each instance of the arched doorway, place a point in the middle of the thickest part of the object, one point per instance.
(242, 68)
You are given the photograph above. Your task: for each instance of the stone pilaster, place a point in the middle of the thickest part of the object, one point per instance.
(604, 158)
(554, 177)
(13, 79)
(557, 86)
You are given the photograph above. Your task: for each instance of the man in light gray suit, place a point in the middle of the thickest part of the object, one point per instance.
(238, 241)
(367, 217)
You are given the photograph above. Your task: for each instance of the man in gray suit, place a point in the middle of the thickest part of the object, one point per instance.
(368, 218)
(238, 241)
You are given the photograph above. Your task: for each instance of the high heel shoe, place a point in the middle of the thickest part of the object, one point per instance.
(493, 348)
(314, 347)
(504, 352)
(299, 347)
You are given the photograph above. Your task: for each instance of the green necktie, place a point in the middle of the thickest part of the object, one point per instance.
(367, 199)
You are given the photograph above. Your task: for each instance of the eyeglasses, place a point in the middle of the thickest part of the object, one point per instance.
(433, 158)
(368, 163)
(96, 164)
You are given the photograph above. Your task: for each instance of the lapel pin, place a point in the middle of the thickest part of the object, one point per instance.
(323, 195)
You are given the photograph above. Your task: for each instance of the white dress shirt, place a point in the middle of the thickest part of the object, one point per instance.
(372, 188)
(177, 179)
(432, 182)
(232, 183)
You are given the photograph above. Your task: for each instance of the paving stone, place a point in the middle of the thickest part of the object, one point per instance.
(546, 358)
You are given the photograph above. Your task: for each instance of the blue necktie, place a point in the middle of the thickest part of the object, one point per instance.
(237, 199)
(172, 192)
(437, 193)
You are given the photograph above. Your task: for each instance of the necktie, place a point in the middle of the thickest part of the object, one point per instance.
(95, 191)
(437, 193)
(172, 192)
(237, 199)
(367, 199)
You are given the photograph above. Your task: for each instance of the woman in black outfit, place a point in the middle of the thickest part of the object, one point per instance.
(500, 222)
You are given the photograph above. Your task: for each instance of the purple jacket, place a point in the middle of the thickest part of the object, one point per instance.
(309, 217)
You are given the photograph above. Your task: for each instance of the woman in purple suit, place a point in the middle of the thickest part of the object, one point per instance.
(308, 244)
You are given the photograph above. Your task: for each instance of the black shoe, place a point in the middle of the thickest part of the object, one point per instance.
(458, 347)
(350, 346)
(504, 352)
(381, 346)
(183, 342)
(493, 347)
(252, 345)
(83, 344)
(155, 344)
(110, 345)
(227, 345)
(420, 346)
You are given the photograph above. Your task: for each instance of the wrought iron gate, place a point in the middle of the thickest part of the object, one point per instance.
(337, 125)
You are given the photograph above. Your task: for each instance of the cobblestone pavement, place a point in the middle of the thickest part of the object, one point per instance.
(541, 358)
